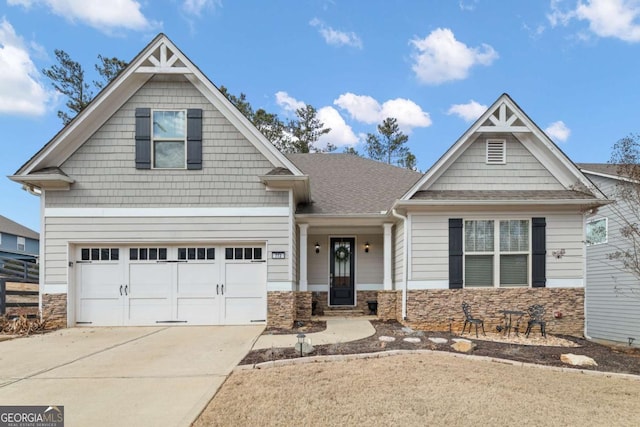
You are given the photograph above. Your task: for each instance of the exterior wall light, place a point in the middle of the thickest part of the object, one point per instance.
(366, 247)
(317, 247)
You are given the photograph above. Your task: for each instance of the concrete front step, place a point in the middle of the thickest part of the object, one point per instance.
(343, 312)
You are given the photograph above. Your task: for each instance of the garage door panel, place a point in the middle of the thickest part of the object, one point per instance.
(240, 311)
(198, 280)
(246, 279)
(199, 311)
(100, 312)
(100, 280)
(148, 311)
(150, 280)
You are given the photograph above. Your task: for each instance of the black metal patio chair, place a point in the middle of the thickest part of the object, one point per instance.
(470, 320)
(536, 314)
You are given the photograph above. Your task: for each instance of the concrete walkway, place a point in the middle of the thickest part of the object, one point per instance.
(339, 330)
(144, 376)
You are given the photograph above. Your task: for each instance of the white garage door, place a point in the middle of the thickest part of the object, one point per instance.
(203, 285)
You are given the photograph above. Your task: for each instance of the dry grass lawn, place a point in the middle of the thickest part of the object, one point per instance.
(421, 390)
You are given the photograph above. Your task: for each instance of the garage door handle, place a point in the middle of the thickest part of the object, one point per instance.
(120, 290)
(223, 289)
(217, 289)
(125, 290)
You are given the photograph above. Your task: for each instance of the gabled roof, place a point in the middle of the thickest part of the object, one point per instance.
(161, 56)
(505, 116)
(608, 170)
(11, 227)
(344, 184)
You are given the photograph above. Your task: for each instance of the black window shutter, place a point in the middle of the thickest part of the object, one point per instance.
(455, 253)
(538, 252)
(143, 138)
(194, 138)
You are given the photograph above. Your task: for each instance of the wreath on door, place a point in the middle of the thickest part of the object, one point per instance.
(342, 253)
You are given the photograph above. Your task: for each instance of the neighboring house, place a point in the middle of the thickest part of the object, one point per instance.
(612, 294)
(17, 241)
(164, 204)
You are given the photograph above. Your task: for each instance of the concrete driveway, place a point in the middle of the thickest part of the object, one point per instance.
(155, 376)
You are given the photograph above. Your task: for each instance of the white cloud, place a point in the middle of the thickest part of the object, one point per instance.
(21, 90)
(105, 16)
(195, 7)
(469, 111)
(335, 37)
(287, 102)
(341, 133)
(558, 131)
(440, 58)
(607, 18)
(366, 109)
(468, 6)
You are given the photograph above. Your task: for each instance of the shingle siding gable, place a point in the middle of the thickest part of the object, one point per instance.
(105, 173)
(522, 170)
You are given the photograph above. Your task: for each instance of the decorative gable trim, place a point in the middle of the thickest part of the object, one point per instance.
(502, 117)
(161, 56)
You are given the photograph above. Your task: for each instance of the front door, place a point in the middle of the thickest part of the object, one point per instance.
(342, 271)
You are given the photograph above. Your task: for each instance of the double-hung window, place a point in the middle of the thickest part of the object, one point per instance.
(496, 253)
(169, 145)
(21, 244)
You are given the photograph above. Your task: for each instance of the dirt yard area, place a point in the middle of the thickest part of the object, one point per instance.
(420, 390)
(434, 389)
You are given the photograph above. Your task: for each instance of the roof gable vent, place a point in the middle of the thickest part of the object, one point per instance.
(496, 152)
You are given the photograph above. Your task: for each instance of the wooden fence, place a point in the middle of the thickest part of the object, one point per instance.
(19, 290)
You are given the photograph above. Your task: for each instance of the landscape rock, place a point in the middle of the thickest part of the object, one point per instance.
(386, 339)
(413, 340)
(577, 360)
(407, 330)
(306, 348)
(463, 346)
(437, 340)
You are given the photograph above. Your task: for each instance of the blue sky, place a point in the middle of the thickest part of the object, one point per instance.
(434, 65)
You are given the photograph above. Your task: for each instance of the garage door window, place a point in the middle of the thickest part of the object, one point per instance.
(99, 254)
(196, 253)
(147, 254)
(243, 253)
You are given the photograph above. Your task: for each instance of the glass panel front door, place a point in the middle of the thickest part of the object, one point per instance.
(342, 271)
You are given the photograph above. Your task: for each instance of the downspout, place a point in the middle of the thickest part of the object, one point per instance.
(584, 269)
(405, 263)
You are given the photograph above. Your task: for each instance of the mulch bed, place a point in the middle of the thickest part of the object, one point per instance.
(298, 328)
(609, 359)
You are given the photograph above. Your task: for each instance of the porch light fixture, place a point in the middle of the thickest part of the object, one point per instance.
(301, 338)
(366, 247)
(317, 247)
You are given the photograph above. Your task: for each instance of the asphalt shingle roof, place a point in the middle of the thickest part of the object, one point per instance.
(501, 195)
(11, 227)
(349, 184)
(604, 168)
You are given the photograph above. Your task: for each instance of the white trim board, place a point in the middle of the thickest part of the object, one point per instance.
(565, 283)
(55, 289)
(166, 212)
(279, 286)
(413, 285)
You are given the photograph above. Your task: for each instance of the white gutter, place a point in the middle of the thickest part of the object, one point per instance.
(405, 264)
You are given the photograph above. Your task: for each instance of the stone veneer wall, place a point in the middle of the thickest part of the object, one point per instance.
(54, 310)
(388, 305)
(281, 309)
(303, 305)
(433, 309)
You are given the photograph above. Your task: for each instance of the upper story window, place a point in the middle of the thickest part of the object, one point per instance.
(596, 232)
(169, 139)
(22, 243)
(496, 151)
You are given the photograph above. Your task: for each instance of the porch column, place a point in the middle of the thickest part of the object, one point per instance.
(302, 256)
(388, 280)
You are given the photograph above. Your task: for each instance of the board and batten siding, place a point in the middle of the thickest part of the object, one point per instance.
(611, 294)
(61, 232)
(430, 246)
(471, 172)
(104, 166)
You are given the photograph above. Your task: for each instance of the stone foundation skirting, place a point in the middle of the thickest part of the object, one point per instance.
(388, 305)
(281, 309)
(303, 305)
(437, 309)
(54, 309)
